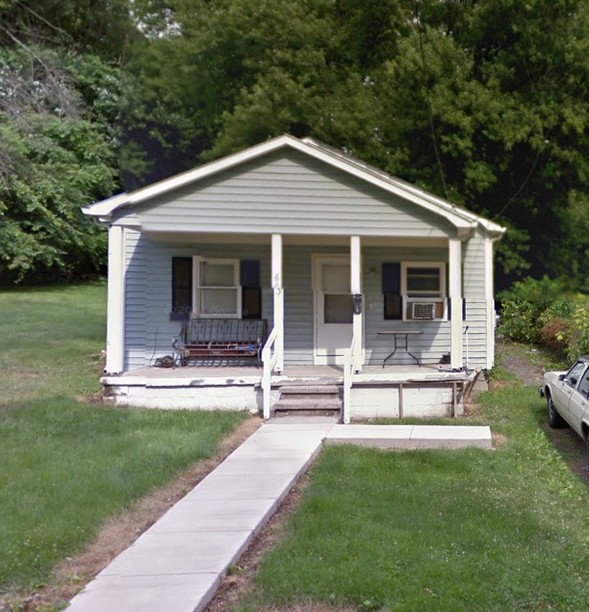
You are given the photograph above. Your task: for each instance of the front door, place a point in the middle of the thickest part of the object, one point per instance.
(333, 308)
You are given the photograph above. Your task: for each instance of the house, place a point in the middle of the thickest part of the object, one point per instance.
(349, 267)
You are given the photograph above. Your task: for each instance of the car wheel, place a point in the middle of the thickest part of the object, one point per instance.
(587, 446)
(554, 419)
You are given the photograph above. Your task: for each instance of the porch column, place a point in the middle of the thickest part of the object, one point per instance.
(356, 287)
(115, 324)
(455, 287)
(277, 286)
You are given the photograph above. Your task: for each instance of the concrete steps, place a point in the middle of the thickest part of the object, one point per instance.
(316, 398)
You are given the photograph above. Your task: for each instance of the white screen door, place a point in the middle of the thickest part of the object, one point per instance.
(333, 308)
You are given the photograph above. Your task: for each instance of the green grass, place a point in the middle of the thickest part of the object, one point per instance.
(438, 530)
(66, 466)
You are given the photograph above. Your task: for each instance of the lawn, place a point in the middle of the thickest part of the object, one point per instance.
(438, 530)
(67, 465)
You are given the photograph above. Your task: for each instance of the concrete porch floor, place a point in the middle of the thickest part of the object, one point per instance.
(227, 374)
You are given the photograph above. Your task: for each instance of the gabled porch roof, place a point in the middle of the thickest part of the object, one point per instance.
(464, 221)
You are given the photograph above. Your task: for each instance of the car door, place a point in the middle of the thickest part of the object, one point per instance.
(563, 389)
(579, 402)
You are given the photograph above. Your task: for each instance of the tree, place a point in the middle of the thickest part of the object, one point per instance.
(53, 159)
(482, 102)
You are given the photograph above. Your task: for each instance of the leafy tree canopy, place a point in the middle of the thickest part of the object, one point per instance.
(59, 105)
(483, 102)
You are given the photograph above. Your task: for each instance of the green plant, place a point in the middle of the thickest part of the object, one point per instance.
(555, 335)
(519, 321)
(579, 340)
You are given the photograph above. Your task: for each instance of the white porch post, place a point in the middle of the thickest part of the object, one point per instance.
(356, 287)
(278, 288)
(115, 325)
(455, 287)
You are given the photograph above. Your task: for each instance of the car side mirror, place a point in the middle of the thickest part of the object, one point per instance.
(562, 377)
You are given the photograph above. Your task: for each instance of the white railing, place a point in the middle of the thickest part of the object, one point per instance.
(351, 366)
(269, 360)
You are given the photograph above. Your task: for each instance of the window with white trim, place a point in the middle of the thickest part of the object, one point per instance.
(216, 288)
(423, 287)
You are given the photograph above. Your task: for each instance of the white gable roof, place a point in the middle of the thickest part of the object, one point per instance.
(459, 217)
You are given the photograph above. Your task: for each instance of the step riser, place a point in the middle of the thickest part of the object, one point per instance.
(298, 413)
(310, 397)
(314, 389)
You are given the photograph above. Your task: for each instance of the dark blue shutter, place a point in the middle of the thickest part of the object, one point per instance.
(391, 278)
(251, 293)
(249, 273)
(181, 288)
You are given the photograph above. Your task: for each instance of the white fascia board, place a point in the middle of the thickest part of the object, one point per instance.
(105, 207)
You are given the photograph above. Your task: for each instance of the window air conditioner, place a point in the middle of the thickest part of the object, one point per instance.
(423, 310)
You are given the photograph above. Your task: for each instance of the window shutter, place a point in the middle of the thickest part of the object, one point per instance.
(391, 289)
(251, 293)
(181, 288)
(249, 273)
(391, 278)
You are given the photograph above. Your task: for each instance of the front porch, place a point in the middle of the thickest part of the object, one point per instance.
(376, 392)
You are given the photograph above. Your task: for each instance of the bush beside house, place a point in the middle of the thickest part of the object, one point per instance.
(544, 312)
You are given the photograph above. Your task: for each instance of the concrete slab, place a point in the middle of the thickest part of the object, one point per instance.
(411, 436)
(238, 486)
(194, 515)
(249, 465)
(156, 554)
(456, 436)
(380, 436)
(146, 593)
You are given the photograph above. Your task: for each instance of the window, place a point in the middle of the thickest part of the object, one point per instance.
(223, 288)
(414, 291)
(423, 286)
(573, 375)
(217, 291)
(584, 384)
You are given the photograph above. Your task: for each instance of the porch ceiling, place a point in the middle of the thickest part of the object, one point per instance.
(190, 239)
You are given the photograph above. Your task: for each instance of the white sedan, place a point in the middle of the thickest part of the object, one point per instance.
(567, 398)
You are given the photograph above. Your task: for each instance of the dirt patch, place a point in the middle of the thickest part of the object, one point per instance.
(72, 574)
(518, 361)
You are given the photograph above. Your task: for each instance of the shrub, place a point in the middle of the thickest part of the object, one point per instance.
(555, 335)
(531, 304)
(519, 321)
(579, 336)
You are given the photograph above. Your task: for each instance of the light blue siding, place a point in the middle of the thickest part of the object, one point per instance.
(473, 257)
(288, 192)
(149, 331)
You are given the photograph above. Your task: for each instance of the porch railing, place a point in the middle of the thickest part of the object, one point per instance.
(269, 360)
(351, 366)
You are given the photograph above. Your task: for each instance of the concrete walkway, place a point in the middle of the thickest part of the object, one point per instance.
(178, 564)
